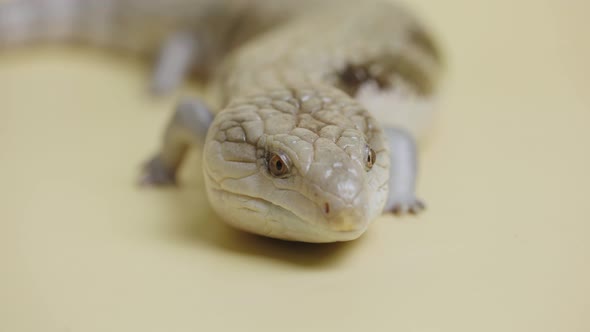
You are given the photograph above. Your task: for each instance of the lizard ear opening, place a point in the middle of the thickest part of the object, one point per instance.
(370, 158)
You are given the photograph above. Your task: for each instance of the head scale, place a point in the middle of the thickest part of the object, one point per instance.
(306, 165)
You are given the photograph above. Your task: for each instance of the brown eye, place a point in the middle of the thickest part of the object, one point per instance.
(278, 164)
(371, 158)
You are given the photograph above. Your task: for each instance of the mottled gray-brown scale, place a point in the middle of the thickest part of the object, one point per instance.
(384, 72)
(414, 66)
(344, 56)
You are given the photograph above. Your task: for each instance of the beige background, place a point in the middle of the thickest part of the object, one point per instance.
(503, 246)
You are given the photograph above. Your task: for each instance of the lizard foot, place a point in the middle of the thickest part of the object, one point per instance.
(405, 205)
(157, 174)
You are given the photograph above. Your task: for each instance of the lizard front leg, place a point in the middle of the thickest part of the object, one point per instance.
(403, 171)
(188, 127)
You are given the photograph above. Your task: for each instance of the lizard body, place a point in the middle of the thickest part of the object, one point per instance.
(317, 104)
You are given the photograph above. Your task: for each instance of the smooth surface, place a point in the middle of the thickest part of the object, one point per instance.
(503, 245)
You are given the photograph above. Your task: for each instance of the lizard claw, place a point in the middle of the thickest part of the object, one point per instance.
(403, 206)
(157, 174)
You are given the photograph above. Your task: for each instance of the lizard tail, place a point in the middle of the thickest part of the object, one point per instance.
(109, 23)
(31, 21)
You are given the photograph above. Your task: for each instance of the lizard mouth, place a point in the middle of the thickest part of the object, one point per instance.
(260, 216)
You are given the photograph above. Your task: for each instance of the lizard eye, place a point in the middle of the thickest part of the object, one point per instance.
(370, 158)
(279, 165)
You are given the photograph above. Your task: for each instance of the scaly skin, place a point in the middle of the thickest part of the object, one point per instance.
(293, 106)
(297, 83)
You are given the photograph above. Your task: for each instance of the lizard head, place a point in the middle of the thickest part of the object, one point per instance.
(305, 165)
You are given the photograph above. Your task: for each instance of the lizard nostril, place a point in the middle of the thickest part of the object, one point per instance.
(327, 208)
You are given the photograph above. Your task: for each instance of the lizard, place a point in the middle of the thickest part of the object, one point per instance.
(317, 111)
